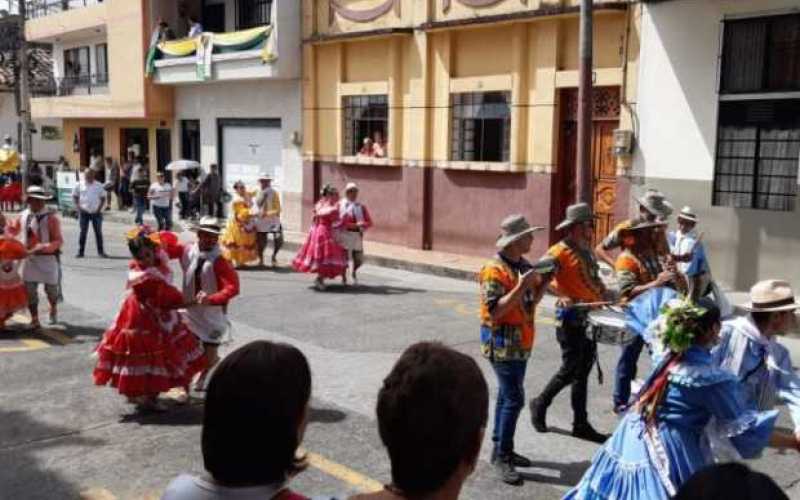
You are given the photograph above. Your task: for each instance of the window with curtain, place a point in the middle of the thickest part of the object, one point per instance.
(252, 13)
(480, 129)
(758, 136)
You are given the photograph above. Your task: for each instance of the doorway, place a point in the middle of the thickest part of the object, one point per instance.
(91, 139)
(605, 119)
(136, 141)
(190, 140)
(164, 151)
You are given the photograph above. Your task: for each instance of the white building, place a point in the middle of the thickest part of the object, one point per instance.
(719, 115)
(243, 111)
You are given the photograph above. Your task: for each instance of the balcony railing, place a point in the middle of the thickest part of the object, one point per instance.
(42, 8)
(72, 85)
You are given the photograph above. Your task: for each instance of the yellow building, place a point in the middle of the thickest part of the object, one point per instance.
(100, 90)
(451, 114)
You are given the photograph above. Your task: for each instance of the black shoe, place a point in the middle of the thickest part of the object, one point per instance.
(520, 461)
(538, 415)
(586, 432)
(103, 255)
(506, 472)
(79, 256)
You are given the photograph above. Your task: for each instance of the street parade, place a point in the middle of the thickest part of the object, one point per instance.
(399, 250)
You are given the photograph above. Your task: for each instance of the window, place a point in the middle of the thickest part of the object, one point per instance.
(365, 125)
(758, 153)
(758, 135)
(190, 139)
(761, 55)
(480, 128)
(101, 55)
(252, 13)
(76, 64)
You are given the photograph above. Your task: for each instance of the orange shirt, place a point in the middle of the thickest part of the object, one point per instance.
(511, 335)
(577, 276)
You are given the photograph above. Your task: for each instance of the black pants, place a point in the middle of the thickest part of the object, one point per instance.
(183, 198)
(96, 220)
(214, 208)
(577, 356)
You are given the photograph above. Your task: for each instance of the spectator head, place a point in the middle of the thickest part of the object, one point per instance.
(731, 481)
(88, 175)
(377, 137)
(329, 191)
(160, 176)
(351, 191)
(214, 168)
(255, 414)
(192, 18)
(94, 152)
(109, 161)
(432, 412)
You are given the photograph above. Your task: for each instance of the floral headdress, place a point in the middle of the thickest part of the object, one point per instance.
(680, 325)
(144, 231)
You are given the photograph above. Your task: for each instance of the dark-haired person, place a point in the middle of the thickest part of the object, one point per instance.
(661, 443)
(256, 411)
(321, 254)
(749, 349)
(510, 290)
(432, 412)
(730, 481)
(148, 349)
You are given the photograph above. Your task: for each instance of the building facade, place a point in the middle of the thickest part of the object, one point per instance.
(230, 96)
(452, 114)
(719, 114)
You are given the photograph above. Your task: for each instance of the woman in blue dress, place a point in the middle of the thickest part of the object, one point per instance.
(661, 443)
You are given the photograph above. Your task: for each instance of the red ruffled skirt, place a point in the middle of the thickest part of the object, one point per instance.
(139, 357)
(13, 297)
(321, 254)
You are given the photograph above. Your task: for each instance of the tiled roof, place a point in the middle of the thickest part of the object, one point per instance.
(40, 67)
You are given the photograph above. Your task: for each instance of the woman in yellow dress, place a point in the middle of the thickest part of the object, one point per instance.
(239, 238)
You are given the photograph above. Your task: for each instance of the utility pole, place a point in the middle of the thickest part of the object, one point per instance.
(26, 140)
(583, 167)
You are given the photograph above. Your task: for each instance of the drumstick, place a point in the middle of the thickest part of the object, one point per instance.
(592, 304)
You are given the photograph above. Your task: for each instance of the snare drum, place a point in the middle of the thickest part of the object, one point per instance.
(607, 326)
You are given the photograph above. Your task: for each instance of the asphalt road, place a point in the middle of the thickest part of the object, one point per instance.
(61, 437)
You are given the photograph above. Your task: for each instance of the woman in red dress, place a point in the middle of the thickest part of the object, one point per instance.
(148, 350)
(321, 254)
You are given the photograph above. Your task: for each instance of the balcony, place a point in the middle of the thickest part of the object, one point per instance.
(52, 22)
(45, 8)
(240, 55)
(72, 86)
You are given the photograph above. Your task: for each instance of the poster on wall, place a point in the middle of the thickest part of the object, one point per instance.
(51, 133)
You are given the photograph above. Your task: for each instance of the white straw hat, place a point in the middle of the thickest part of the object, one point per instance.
(772, 296)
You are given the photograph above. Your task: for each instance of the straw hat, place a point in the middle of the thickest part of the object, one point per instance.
(351, 186)
(656, 203)
(687, 213)
(577, 213)
(772, 296)
(513, 228)
(265, 177)
(38, 193)
(208, 225)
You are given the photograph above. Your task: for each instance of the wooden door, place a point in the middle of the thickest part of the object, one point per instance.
(604, 177)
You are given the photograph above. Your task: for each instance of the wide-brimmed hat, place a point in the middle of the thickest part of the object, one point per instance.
(265, 177)
(577, 213)
(208, 224)
(513, 228)
(38, 193)
(687, 213)
(656, 203)
(351, 186)
(642, 226)
(772, 296)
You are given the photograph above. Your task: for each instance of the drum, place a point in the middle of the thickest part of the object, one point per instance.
(607, 326)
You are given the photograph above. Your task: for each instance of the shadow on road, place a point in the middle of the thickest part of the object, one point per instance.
(569, 474)
(22, 474)
(266, 269)
(326, 415)
(370, 290)
(176, 416)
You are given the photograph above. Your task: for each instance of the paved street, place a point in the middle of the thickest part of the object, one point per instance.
(60, 435)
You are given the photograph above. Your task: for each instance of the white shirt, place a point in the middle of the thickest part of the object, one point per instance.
(160, 194)
(182, 186)
(195, 30)
(90, 196)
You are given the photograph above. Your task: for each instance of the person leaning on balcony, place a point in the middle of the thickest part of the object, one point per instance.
(510, 289)
(195, 28)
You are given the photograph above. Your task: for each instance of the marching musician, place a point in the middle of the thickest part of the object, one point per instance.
(653, 206)
(639, 268)
(576, 283)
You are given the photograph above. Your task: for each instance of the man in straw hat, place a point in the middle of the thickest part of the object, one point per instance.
(638, 270)
(749, 349)
(209, 283)
(510, 290)
(690, 255)
(354, 219)
(576, 282)
(40, 231)
(268, 219)
(653, 206)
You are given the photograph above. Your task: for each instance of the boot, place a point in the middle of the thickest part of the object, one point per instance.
(538, 415)
(505, 470)
(586, 432)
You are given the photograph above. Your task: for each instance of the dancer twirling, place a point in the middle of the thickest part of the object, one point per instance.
(148, 349)
(661, 442)
(239, 238)
(209, 284)
(13, 296)
(321, 254)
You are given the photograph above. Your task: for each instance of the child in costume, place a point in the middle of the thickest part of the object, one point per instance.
(148, 349)
(13, 296)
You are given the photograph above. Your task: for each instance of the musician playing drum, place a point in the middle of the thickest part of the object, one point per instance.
(640, 267)
(576, 283)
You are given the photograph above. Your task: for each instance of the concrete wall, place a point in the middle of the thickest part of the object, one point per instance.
(677, 110)
(256, 99)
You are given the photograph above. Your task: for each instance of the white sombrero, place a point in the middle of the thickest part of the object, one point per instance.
(772, 296)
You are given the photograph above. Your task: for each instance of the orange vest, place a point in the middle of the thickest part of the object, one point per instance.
(577, 276)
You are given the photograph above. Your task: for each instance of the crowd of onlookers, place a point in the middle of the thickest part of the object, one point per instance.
(432, 412)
